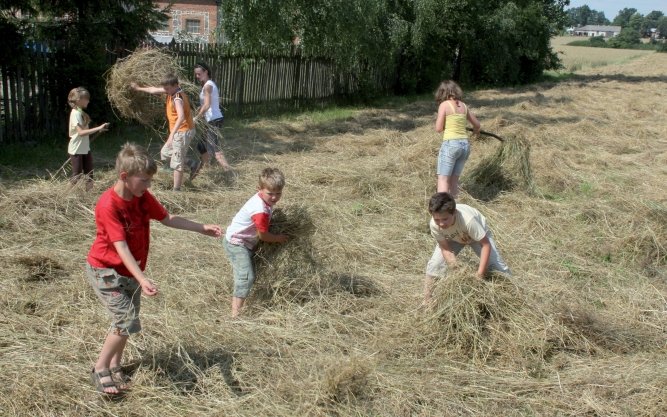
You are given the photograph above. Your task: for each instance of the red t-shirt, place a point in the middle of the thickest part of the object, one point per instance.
(119, 220)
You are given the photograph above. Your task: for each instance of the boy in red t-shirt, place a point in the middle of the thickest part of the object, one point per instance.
(117, 259)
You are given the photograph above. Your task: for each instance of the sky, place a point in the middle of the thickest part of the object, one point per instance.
(612, 7)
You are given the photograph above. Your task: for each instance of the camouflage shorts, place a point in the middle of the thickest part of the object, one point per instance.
(120, 295)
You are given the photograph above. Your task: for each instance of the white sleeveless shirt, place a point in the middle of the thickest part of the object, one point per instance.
(213, 111)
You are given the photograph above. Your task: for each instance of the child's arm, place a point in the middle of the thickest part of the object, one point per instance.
(484, 256)
(85, 132)
(447, 253)
(272, 237)
(184, 224)
(149, 90)
(440, 120)
(131, 264)
(207, 101)
(474, 122)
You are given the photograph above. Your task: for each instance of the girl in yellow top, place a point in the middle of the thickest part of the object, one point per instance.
(455, 148)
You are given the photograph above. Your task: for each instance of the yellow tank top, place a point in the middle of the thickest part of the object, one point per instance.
(455, 125)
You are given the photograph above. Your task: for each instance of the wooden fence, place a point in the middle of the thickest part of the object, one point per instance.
(256, 83)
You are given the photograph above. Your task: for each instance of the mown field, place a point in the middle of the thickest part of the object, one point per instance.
(334, 326)
(576, 58)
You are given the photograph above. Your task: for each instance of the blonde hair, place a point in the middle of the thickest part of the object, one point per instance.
(448, 90)
(271, 179)
(169, 79)
(134, 159)
(77, 94)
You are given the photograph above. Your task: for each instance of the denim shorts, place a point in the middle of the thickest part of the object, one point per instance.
(120, 295)
(210, 143)
(244, 271)
(453, 155)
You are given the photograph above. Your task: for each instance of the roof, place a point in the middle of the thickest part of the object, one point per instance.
(600, 28)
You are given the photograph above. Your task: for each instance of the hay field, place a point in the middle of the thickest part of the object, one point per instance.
(333, 326)
(575, 58)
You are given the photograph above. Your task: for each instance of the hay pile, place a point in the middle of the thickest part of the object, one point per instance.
(148, 67)
(334, 326)
(507, 169)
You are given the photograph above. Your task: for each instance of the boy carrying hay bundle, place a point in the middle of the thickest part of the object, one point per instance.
(248, 227)
(117, 258)
(453, 227)
(181, 125)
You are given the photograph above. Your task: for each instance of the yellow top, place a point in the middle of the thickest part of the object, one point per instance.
(455, 124)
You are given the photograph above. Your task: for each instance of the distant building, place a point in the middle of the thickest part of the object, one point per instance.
(193, 20)
(598, 30)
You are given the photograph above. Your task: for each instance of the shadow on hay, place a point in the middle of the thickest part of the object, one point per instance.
(41, 268)
(185, 366)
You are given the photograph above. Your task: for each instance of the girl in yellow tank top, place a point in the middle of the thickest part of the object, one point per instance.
(455, 149)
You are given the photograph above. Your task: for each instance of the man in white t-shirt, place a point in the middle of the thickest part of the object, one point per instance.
(453, 227)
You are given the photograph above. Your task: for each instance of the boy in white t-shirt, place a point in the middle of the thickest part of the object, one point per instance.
(248, 227)
(453, 227)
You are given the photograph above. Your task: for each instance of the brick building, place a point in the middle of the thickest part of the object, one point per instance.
(190, 19)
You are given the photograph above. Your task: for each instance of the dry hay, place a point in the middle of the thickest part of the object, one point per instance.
(290, 272)
(507, 169)
(491, 320)
(148, 67)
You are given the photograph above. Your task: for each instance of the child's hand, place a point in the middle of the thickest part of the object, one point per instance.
(104, 127)
(212, 230)
(148, 288)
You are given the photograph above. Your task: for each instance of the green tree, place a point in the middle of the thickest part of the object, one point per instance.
(661, 25)
(623, 17)
(650, 22)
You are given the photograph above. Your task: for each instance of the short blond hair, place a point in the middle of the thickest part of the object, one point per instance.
(134, 159)
(77, 94)
(271, 179)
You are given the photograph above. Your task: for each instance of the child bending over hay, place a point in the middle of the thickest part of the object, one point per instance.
(453, 227)
(248, 227)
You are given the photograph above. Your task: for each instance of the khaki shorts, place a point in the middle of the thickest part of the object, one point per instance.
(177, 150)
(120, 295)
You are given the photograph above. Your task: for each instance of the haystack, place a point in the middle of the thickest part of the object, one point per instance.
(291, 272)
(148, 67)
(508, 169)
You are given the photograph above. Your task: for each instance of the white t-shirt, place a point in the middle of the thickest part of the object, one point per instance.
(213, 111)
(254, 216)
(77, 144)
(469, 226)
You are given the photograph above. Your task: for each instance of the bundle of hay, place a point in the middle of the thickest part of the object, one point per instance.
(509, 168)
(148, 67)
(290, 272)
(491, 318)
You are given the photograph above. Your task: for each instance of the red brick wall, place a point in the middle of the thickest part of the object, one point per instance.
(205, 11)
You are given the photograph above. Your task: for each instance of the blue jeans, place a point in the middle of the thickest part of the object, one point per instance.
(453, 155)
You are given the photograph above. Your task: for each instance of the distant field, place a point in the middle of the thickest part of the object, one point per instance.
(578, 57)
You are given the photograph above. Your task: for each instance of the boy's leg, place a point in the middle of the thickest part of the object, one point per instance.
(244, 274)
(436, 267)
(179, 155)
(496, 262)
(113, 347)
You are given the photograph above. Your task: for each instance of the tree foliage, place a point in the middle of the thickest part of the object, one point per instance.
(80, 34)
(476, 41)
(584, 15)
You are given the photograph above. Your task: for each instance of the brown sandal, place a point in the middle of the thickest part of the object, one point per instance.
(119, 377)
(96, 379)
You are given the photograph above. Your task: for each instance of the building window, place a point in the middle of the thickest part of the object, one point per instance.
(192, 26)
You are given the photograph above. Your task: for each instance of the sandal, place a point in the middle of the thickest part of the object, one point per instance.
(96, 379)
(120, 378)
